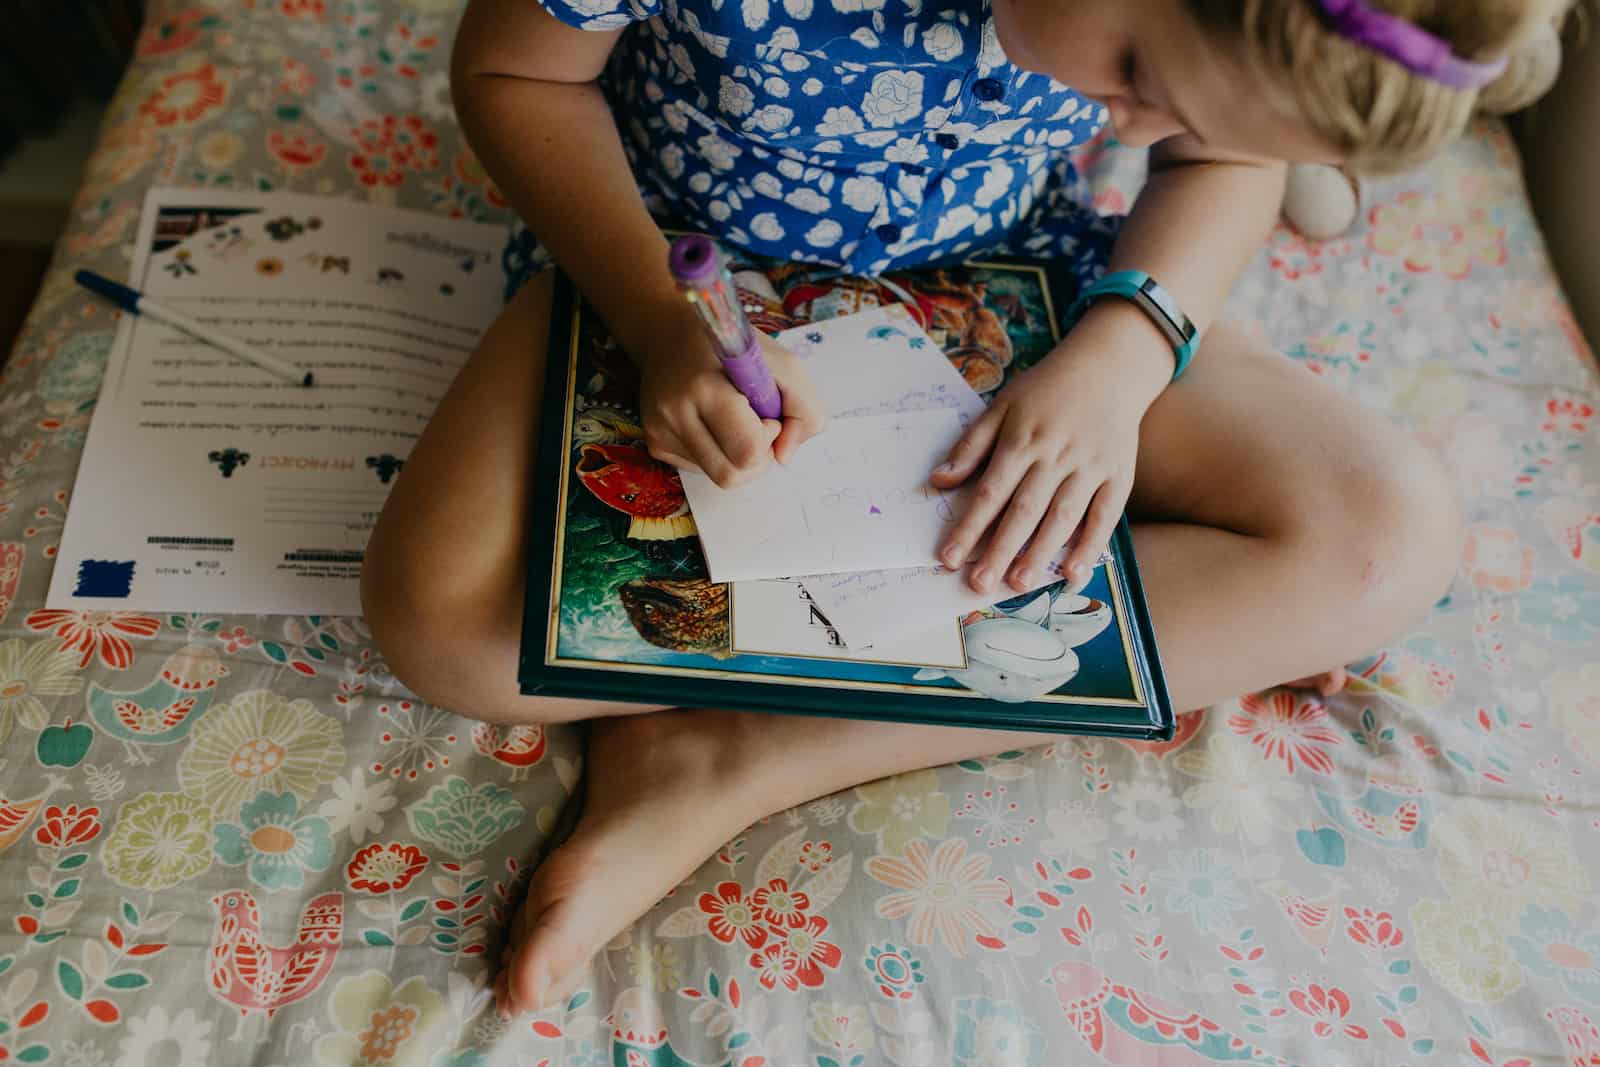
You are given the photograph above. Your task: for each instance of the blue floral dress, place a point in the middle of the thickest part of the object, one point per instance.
(867, 134)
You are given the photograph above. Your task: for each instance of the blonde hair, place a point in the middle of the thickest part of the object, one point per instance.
(1380, 115)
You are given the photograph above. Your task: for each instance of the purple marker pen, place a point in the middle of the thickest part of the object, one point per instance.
(700, 273)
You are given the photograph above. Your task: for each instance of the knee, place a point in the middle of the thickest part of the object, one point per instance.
(434, 640)
(1393, 531)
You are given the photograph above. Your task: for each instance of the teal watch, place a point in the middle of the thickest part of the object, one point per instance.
(1153, 300)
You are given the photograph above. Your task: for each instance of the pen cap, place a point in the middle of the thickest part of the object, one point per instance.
(694, 261)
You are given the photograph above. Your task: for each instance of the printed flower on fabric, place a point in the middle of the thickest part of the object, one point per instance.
(296, 150)
(1549, 947)
(380, 1023)
(156, 1039)
(901, 809)
(28, 673)
(1076, 829)
(68, 827)
(729, 915)
(464, 820)
(943, 893)
(95, 633)
(357, 806)
(1566, 609)
(260, 742)
(654, 966)
(186, 97)
(1504, 862)
(379, 869)
(1147, 810)
(779, 905)
(389, 146)
(275, 842)
(1240, 798)
(896, 970)
(841, 1028)
(159, 840)
(796, 955)
(994, 1033)
(219, 149)
(1200, 885)
(1286, 728)
(1495, 559)
(1373, 929)
(1448, 233)
(1574, 702)
(1460, 944)
(1327, 1007)
(75, 371)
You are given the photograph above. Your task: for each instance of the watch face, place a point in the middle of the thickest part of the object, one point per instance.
(1163, 302)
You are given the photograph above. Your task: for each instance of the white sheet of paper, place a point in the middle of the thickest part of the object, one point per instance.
(777, 618)
(880, 361)
(898, 605)
(209, 485)
(855, 497)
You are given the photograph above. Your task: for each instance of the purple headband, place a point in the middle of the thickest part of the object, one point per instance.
(1408, 45)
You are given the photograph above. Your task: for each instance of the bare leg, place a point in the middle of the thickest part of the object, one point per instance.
(1282, 530)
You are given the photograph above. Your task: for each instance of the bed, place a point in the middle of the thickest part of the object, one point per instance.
(1403, 874)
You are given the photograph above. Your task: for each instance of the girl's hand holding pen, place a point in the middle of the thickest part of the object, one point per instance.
(695, 417)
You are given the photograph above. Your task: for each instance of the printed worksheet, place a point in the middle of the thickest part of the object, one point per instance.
(779, 618)
(210, 485)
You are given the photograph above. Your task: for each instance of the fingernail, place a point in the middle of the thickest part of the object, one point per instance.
(945, 468)
(952, 556)
(1079, 570)
(981, 579)
(1022, 577)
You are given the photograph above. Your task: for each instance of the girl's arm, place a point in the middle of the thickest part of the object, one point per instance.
(1061, 441)
(524, 88)
(1200, 219)
(523, 83)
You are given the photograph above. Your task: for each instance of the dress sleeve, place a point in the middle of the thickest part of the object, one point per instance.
(601, 14)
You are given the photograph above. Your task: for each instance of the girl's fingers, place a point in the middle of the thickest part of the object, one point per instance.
(739, 436)
(969, 452)
(802, 418)
(1097, 527)
(672, 459)
(1021, 518)
(1068, 506)
(706, 454)
(984, 505)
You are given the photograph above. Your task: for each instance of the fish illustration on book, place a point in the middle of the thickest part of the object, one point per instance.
(683, 615)
(626, 478)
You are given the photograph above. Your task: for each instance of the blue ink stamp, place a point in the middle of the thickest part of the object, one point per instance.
(104, 577)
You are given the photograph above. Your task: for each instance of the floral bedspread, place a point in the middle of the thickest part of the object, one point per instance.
(232, 840)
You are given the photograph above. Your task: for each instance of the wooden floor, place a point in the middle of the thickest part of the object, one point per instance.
(22, 268)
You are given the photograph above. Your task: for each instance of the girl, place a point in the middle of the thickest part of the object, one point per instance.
(879, 134)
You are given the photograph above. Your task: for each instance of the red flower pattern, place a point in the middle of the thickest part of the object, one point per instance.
(390, 146)
(1564, 413)
(780, 905)
(67, 826)
(730, 915)
(186, 97)
(380, 869)
(1286, 729)
(296, 151)
(174, 33)
(1374, 929)
(1327, 1006)
(95, 632)
(809, 951)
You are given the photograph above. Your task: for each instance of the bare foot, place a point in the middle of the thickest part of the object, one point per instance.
(1328, 683)
(664, 791)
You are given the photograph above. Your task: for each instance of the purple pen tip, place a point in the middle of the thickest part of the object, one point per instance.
(693, 259)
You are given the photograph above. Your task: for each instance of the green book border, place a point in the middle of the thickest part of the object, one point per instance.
(540, 673)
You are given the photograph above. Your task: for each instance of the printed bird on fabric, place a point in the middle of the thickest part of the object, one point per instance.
(253, 976)
(518, 747)
(1312, 919)
(165, 710)
(1133, 1029)
(17, 815)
